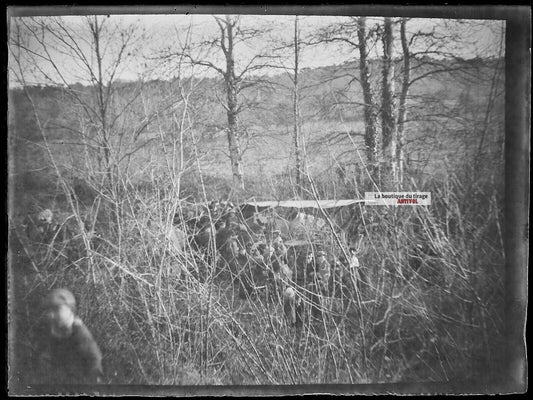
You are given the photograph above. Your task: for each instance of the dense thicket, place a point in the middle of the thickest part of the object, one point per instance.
(430, 304)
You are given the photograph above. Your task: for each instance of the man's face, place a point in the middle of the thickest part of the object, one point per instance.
(60, 319)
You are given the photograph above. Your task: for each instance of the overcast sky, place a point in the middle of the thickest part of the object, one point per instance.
(157, 33)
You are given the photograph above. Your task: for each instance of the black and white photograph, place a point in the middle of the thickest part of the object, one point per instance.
(267, 201)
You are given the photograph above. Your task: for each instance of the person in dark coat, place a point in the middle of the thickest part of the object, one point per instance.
(70, 354)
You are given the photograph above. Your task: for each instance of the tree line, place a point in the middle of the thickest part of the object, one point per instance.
(393, 56)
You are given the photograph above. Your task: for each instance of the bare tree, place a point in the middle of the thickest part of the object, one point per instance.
(227, 37)
(354, 33)
(427, 54)
(388, 119)
(402, 109)
(369, 104)
(93, 52)
(430, 55)
(296, 110)
(230, 34)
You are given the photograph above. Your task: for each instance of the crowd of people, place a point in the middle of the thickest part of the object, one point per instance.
(256, 254)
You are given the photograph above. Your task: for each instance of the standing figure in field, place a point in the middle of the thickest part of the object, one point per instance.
(293, 308)
(345, 275)
(281, 273)
(228, 212)
(354, 261)
(272, 269)
(254, 272)
(280, 252)
(70, 353)
(277, 242)
(258, 264)
(214, 208)
(319, 276)
(243, 233)
(227, 245)
(322, 272)
(267, 252)
(299, 259)
(355, 268)
(309, 265)
(338, 267)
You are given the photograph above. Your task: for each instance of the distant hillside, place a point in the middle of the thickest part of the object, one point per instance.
(446, 113)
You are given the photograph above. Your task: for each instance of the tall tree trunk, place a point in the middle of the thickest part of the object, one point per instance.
(102, 104)
(296, 112)
(402, 110)
(388, 121)
(498, 70)
(369, 107)
(232, 110)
